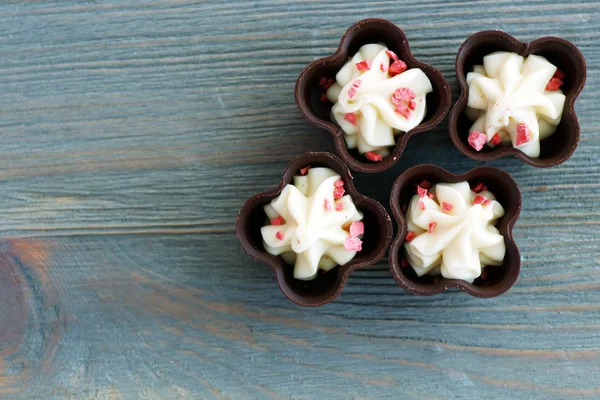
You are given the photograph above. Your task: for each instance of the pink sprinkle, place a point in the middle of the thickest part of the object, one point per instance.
(382, 68)
(278, 221)
(357, 228)
(479, 187)
(397, 67)
(338, 183)
(477, 140)
(372, 156)
(432, 225)
(339, 206)
(353, 244)
(496, 139)
(338, 192)
(357, 83)
(363, 65)
(479, 199)
(304, 171)
(487, 202)
(430, 195)
(279, 235)
(405, 93)
(447, 207)
(421, 191)
(351, 92)
(327, 205)
(421, 205)
(523, 135)
(404, 208)
(404, 111)
(350, 117)
(391, 55)
(410, 236)
(324, 98)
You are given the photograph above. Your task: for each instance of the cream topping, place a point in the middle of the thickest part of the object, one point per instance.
(453, 234)
(311, 224)
(366, 94)
(509, 91)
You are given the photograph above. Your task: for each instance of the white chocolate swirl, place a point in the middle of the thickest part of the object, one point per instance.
(508, 90)
(463, 239)
(376, 120)
(313, 235)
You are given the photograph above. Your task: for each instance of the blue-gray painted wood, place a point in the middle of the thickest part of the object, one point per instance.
(132, 131)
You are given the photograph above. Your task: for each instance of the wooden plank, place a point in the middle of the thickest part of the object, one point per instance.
(132, 132)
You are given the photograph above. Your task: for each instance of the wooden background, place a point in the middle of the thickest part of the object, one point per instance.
(132, 132)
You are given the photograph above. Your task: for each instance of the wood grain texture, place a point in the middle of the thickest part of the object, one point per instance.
(132, 132)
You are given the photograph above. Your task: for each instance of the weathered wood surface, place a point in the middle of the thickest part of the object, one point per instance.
(132, 131)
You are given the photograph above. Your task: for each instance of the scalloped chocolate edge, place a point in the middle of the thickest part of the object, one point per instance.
(417, 173)
(509, 43)
(342, 272)
(402, 48)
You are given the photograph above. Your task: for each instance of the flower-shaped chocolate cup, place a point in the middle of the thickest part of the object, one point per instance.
(498, 279)
(555, 149)
(308, 91)
(326, 286)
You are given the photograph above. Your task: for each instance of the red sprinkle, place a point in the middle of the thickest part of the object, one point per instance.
(279, 235)
(324, 98)
(338, 192)
(487, 202)
(421, 205)
(403, 262)
(430, 195)
(338, 183)
(496, 139)
(323, 81)
(554, 84)
(382, 68)
(327, 205)
(432, 225)
(357, 228)
(483, 275)
(372, 156)
(353, 244)
(391, 55)
(397, 67)
(421, 191)
(477, 140)
(363, 65)
(339, 206)
(479, 199)
(351, 117)
(479, 187)
(523, 135)
(329, 83)
(412, 105)
(410, 236)
(447, 207)
(403, 99)
(559, 74)
(404, 208)
(404, 111)
(304, 171)
(278, 221)
(425, 184)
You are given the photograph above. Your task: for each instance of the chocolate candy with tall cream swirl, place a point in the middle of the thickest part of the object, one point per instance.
(375, 99)
(451, 231)
(313, 225)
